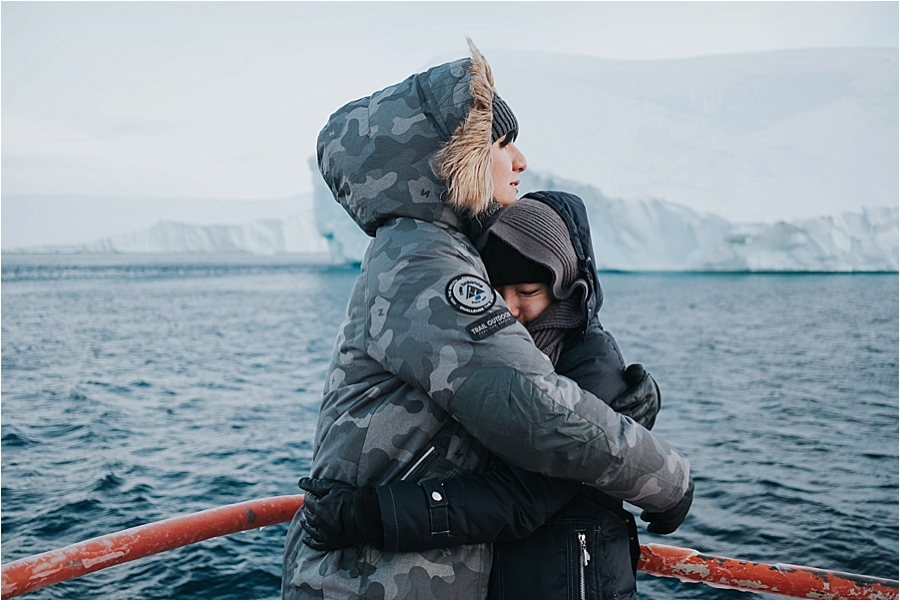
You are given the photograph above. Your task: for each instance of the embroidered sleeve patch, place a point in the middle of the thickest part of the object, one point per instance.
(470, 294)
(490, 323)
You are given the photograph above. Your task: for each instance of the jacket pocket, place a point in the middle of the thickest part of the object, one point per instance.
(583, 552)
(600, 560)
(582, 561)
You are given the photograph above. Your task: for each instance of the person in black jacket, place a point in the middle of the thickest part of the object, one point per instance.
(552, 538)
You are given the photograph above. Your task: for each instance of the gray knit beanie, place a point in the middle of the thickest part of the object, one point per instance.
(538, 233)
(503, 120)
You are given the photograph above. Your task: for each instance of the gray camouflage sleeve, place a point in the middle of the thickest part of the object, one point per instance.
(435, 322)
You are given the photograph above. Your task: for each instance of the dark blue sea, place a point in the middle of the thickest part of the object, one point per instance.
(140, 388)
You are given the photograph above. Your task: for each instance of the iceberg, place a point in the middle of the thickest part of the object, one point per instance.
(629, 235)
(655, 235)
(295, 234)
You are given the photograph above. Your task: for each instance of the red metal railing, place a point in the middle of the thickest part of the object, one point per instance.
(38, 571)
(778, 579)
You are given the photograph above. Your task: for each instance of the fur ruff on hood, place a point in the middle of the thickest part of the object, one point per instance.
(418, 149)
(464, 163)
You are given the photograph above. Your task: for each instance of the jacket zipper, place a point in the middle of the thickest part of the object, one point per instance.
(420, 466)
(585, 559)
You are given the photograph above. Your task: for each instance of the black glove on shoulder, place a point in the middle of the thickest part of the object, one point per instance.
(668, 521)
(336, 515)
(642, 401)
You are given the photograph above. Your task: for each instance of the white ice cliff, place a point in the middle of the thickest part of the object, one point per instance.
(296, 234)
(654, 235)
(629, 235)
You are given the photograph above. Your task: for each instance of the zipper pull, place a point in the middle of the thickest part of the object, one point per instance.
(585, 556)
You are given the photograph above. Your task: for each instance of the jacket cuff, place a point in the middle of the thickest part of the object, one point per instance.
(370, 517)
(401, 506)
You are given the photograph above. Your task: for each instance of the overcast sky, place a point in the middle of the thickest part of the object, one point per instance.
(224, 100)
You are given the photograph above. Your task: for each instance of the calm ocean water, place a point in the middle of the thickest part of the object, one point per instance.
(136, 389)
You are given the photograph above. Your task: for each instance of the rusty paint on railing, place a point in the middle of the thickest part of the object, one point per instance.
(782, 579)
(38, 571)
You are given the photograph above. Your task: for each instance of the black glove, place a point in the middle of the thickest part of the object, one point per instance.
(336, 515)
(641, 402)
(668, 521)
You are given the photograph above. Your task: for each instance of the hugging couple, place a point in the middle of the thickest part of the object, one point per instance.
(479, 429)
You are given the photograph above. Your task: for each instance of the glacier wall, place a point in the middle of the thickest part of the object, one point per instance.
(655, 235)
(629, 235)
(295, 234)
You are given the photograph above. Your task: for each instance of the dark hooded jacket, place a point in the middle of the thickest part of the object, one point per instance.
(431, 376)
(554, 539)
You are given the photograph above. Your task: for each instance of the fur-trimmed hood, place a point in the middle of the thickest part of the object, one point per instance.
(418, 149)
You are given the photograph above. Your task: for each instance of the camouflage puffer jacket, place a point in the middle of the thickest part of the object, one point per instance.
(431, 376)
